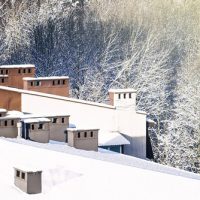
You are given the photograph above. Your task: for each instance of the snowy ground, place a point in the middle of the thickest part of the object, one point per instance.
(68, 176)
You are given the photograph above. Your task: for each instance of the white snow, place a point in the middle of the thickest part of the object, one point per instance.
(107, 138)
(67, 176)
(2, 110)
(123, 90)
(45, 78)
(36, 120)
(17, 66)
(64, 174)
(3, 76)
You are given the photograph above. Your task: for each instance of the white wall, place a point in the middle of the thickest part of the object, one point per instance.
(123, 118)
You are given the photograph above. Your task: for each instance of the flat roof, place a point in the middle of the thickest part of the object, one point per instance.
(17, 66)
(56, 97)
(36, 120)
(127, 90)
(3, 76)
(82, 129)
(45, 78)
(2, 110)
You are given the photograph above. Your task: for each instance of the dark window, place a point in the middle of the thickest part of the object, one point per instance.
(6, 71)
(85, 134)
(2, 80)
(23, 175)
(29, 71)
(32, 126)
(37, 83)
(58, 82)
(63, 82)
(79, 134)
(12, 122)
(124, 96)
(119, 96)
(130, 96)
(91, 134)
(24, 70)
(0, 115)
(5, 123)
(53, 82)
(2, 71)
(19, 71)
(40, 126)
(63, 120)
(18, 173)
(54, 120)
(31, 83)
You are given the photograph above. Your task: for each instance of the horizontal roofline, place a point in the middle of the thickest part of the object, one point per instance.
(56, 97)
(82, 129)
(17, 66)
(122, 90)
(45, 78)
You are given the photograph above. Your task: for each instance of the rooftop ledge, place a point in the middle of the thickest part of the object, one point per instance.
(45, 78)
(56, 97)
(17, 66)
(127, 90)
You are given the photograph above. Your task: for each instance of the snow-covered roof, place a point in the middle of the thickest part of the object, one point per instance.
(56, 97)
(127, 90)
(2, 110)
(82, 129)
(13, 115)
(27, 168)
(36, 120)
(150, 121)
(141, 112)
(45, 78)
(17, 66)
(111, 138)
(3, 76)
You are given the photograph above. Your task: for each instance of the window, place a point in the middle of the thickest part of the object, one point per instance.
(37, 83)
(24, 71)
(18, 173)
(79, 134)
(53, 82)
(31, 83)
(32, 126)
(63, 120)
(85, 134)
(2, 80)
(130, 96)
(54, 120)
(63, 82)
(124, 96)
(5, 123)
(12, 122)
(23, 175)
(19, 71)
(0, 115)
(29, 71)
(40, 126)
(2, 71)
(58, 82)
(91, 134)
(6, 71)
(119, 96)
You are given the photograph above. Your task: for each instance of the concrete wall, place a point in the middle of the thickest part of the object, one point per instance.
(39, 135)
(57, 130)
(86, 143)
(47, 86)
(10, 100)
(9, 131)
(32, 184)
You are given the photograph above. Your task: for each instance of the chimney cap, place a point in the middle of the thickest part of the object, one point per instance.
(127, 90)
